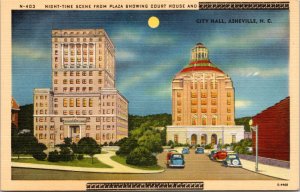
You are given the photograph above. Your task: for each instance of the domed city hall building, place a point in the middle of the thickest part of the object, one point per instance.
(203, 109)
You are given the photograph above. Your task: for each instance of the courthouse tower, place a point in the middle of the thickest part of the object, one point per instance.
(203, 103)
(83, 101)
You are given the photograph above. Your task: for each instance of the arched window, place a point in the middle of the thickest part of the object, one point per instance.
(203, 120)
(214, 120)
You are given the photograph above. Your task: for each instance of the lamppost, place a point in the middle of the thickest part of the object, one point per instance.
(255, 128)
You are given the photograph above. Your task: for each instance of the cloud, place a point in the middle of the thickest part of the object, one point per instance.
(154, 72)
(259, 72)
(242, 103)
(163, 90)
(31, 53)
(123, 55)
(162, 39)
(128, 35)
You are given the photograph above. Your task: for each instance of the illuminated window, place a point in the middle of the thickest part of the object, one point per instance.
(178, 118)
(214, 102)
(97, 136)
(77, 81)
(90, 88)
(214, 110)
(77, 112)
(71, 112)
(178, 102)
(52, 136)
(71, 73)
(90, 73)
(71, 89)
(193, 94)
(65, 104)
(228, 94)
(77, 73)
(203, 95)
(65, 81)
(83, 81)
(178, 94)
(214, 121)
(78, 102)
(71, 102)
(194, 102)
(83, 73)
(228, 110)
(194, 110)
(203, 110)
(71, 81)
(91, 102)
(84, 102)
(228, 118)
(194, 121)
(91, 81)
(178, 110)
(203, 120)
(214, 94)
(65, 73)
(100, 73)
(99, 81)
(203, 101)
(228, 102)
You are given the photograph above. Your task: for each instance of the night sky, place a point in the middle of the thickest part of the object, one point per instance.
(254, 55)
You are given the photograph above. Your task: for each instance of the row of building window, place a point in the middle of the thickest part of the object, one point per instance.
(204, 94)
(41, 97)
(204, 120)
(203, 110)
(85, 112)
(107, 136)
(78, 73)
(204, 139)
(44, 104)
(77, 89)
(77, 39)
(213, 85)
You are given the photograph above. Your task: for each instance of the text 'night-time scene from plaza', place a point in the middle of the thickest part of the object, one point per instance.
(175, 94)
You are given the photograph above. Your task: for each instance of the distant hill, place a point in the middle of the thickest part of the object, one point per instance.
(134, 121)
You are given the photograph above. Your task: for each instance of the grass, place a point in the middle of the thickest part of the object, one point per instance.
(122, 160)
(86, 162)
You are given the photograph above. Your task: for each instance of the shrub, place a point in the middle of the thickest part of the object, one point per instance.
(127, 146)
(53, 156)
(66, 154)
(111, 143)
(170, 142)
(40, 156)
(105, 143)
(208, 146)
(80, 157)
(141, 156)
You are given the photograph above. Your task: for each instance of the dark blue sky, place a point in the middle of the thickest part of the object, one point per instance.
(254, 55)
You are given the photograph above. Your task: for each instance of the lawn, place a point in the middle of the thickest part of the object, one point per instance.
(86, 162)
(122, 160)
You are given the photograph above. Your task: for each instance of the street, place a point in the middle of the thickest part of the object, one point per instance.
(198, 167)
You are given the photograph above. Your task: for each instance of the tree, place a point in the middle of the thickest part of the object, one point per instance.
(89, 146)
(24, 144)
(151, 140)
(163, 136)
(128, 145)
(141, 156)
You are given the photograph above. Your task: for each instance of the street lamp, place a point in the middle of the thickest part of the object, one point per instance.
(255, 128)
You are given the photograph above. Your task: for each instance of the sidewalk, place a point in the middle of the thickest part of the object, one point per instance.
(105, 158)
(278, 172)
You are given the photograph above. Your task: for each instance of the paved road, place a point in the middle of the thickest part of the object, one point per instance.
(198, 167)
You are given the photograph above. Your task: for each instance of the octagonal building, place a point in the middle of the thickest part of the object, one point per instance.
(203, 109)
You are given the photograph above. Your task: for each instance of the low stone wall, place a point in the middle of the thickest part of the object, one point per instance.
(266, 161)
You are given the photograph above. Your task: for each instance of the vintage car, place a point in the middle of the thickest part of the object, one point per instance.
(211, 154)
(232, 160)
(199, 150)
(185, 150)
(175, 160)
(220, 155)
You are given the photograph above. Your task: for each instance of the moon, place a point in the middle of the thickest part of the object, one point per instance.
(153, 22)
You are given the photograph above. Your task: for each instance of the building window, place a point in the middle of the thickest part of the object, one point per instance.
(193, 94)
(83, 81)
(71, 81)
(71, 102)
(178, 118)
(78, 102)
(99, 81)
(228, 110)
(228, 94)
(61, 136)
(65, 73)
(71, 73)
(98, 127)
(194, 121)
(77, 81)
(228, 118)
(83, 73)
(90, 73)
(84, 112)
(194, 102)
(90, 112)
(233, 138)
(91, 102)
(98, 119)
(176, 138)
(203, 95)
(203, 110)
(61, 127)
(214, 102)
(214, 110)
(88, 127)
(84, 102)
(228, 102)
(214, 94)
(65, 81)
(203, 101)
(52, 136)
(65, 104)
(91, 81)
(65, 112)
(90, 89)
(87, 135)
(55, 81)
(178, 110)
(193, 110)
(214, 121)
(97, 136)
(71, 112)
(77, 73)
(77, 112)
(203, 120)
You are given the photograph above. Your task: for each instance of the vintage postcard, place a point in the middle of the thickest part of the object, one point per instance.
(157, 95)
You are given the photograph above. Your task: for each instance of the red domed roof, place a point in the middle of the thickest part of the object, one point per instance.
(201, 65)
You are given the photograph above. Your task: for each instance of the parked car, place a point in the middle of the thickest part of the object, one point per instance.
(185, 150)
(232, 160)
(199, 150)
(220, 155)
(211, 154)
(175, 160)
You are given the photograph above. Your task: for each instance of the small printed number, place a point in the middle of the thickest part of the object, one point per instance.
(283, 184)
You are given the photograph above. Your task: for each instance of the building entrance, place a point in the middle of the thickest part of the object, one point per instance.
(194, 139)
(75, 133)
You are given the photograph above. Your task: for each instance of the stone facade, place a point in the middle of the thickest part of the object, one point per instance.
(83, 101)
(203, 109)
